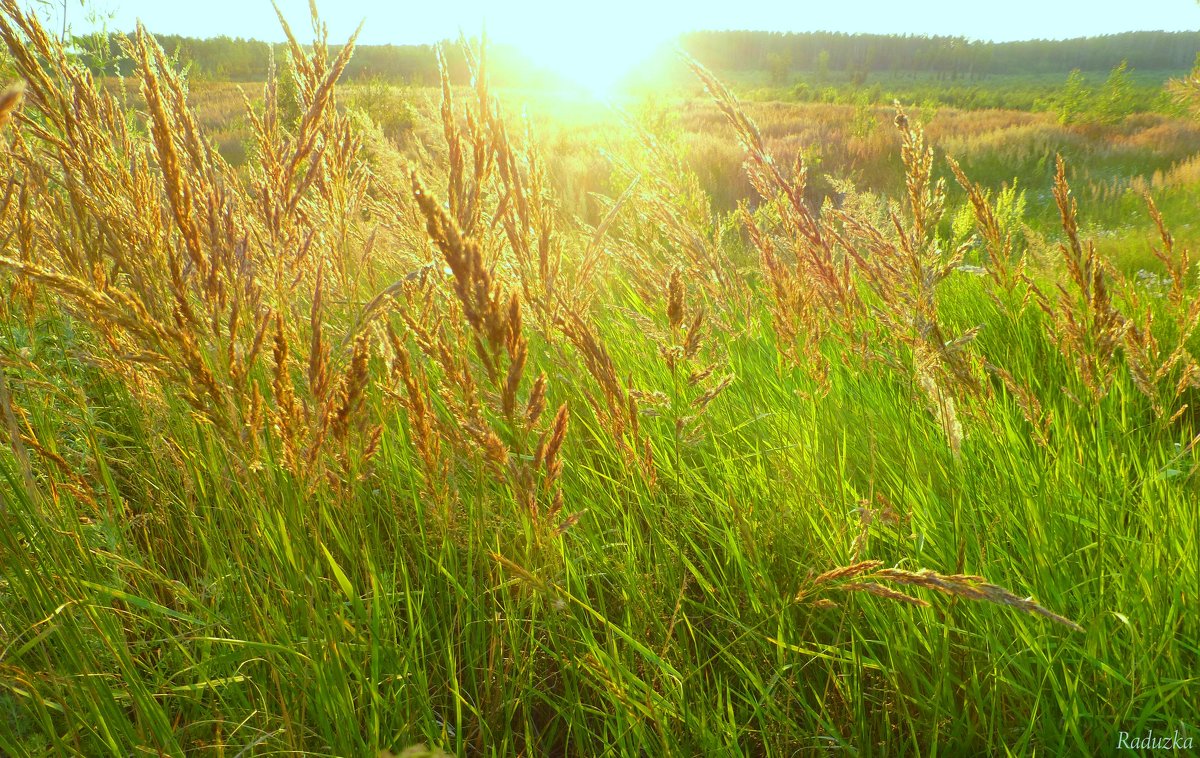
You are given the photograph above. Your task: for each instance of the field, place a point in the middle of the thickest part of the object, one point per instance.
(364, 420)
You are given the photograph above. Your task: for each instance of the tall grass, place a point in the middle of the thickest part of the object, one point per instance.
(355, 450)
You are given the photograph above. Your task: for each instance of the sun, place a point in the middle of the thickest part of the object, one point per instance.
(596, 64)
(595, 75)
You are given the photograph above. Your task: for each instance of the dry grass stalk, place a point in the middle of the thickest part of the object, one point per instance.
(493, 311)
(847, 572)
(1085, 323)
(493, 314)
(882, 512)
(886, 593)
(675, 301)
(666, 222)
(1178, 263)
(902, 267)
(1038, 419)
(614, 412)
(529, 216)
(814, 294)
(1000, 242)
(868, 575)
(159, 247)
(1164, 372)
(972, 588)
(422, 421)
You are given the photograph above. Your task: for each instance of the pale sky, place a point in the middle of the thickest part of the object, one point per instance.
(420, 21)
(594, 41)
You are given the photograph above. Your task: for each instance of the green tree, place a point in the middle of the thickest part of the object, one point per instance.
(780, 65)
(1075, 100)
(1116, 97)
(1186, 90)
(822, 65)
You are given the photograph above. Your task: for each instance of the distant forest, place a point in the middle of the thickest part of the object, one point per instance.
(247, 60)
(874, 53)
(733, 51)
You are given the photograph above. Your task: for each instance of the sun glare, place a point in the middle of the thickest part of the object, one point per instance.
(597, 65)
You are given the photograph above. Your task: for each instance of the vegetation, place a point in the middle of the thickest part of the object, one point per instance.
(821, 67)
(234, 59)
(952, 57)
(1143, 91)
(419, 437)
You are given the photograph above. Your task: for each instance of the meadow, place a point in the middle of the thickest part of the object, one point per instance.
(362, 420)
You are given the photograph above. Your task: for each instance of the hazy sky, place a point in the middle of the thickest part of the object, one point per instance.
(595, 42)
(549, 21)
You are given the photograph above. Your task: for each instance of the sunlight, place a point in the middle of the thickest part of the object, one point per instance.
(594, 65)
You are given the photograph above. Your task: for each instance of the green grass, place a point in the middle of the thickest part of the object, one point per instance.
(1026, 92)
(264, 617)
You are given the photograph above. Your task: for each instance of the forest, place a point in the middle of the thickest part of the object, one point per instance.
(242, 60)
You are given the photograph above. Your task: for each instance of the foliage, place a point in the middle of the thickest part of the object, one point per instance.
(1186, 90)
(385, 105)
(950, 56)
(1075, 100)
(1108, 105)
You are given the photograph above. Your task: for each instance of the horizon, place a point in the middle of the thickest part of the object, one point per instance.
(627, 32)
(300, 32)
(518, 22)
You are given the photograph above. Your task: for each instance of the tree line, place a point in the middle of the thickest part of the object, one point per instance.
(238, 59)
(873, 53)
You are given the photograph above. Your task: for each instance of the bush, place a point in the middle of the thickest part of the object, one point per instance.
(385, 104)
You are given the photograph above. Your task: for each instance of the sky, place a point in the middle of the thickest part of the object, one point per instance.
(593, 42)
(620, 21)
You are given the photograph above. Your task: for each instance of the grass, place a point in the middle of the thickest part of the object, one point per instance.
(1024, 92)
(1111, 165)
(361, 447)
